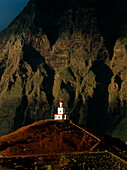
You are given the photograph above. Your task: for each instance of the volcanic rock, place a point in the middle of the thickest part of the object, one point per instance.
(70, 50)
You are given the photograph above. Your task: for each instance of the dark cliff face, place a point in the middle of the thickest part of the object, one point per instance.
(74, 50)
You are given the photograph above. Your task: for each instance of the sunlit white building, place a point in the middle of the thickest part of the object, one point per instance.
(61, 112)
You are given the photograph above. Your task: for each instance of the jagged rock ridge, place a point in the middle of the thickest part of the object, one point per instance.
(69, 51)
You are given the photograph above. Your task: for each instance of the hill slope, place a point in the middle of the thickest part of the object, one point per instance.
(47, 137)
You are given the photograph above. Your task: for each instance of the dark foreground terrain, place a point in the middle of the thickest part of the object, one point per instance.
(97, 160)
(54, 144)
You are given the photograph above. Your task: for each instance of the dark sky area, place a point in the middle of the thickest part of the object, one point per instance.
(9, 9)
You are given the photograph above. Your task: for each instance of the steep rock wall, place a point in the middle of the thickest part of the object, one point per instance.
(69, 51)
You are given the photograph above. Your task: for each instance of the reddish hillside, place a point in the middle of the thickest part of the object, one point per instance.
(46, 137)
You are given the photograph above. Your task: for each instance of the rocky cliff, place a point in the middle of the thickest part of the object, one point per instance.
(73, 50)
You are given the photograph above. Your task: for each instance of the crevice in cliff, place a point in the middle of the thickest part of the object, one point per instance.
(71, 93)
(98, 104)
(75, 111)
(118, 80)
(12, 81)
(111, 23)
(20, 116)
(48, 84)
(3, 66)
(32, 56)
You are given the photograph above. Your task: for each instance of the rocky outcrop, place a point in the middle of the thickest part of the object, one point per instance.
(118, 89)
(69, 51)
